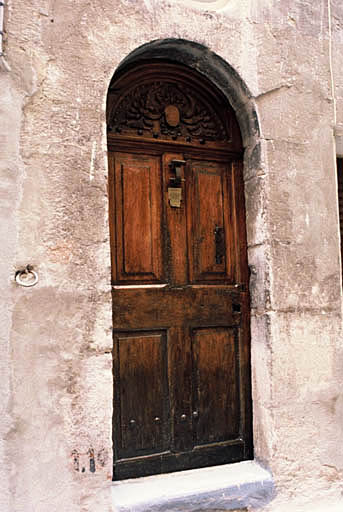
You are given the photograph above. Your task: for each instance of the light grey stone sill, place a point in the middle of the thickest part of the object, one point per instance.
(227, 487)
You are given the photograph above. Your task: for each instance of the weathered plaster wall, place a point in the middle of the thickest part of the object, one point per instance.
(10, 115)
(56, 337)
(336, 67)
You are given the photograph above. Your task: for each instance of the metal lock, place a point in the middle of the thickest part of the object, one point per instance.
(175, 191)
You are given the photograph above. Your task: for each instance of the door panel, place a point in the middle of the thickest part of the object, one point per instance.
(138, 184)
(177, 306)
(209, 229)
(216, 384)
(142, 389)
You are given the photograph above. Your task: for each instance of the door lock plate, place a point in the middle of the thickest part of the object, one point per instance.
(175, 196)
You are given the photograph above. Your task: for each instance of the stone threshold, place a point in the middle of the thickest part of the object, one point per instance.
(227, 487)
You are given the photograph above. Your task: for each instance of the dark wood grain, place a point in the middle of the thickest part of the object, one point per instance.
(138, 211)
(208, 206)
(177, 306)
(216, 384)
(138, 102)
(175, 226)
(143, 394)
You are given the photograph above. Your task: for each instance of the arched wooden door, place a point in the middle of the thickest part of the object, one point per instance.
(179, 274)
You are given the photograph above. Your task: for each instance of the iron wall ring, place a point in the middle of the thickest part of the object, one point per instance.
(30, 280)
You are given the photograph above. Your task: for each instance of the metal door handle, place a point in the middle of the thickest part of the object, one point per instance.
(176, 167)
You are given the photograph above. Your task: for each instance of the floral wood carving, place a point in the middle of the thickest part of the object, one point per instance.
(166, 110)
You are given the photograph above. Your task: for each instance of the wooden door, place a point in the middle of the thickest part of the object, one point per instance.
(180, 307)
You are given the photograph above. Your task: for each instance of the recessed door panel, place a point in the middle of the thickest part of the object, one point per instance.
(216, 386)
(209, 230)
(138, 218)
(142, 393)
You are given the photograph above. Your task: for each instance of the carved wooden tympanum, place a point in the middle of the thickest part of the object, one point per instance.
(166, 109)
(168, 105)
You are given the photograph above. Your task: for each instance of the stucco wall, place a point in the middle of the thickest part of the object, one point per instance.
(56, 337)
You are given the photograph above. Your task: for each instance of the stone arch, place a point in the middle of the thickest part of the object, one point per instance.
(212, 66)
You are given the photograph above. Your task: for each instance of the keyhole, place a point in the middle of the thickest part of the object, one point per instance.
(236, 308)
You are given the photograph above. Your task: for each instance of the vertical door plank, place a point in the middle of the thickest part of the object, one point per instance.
(239, 224)
(244, 348)
(112, 214)
(176, 248)
(180, 378)
(216, 387)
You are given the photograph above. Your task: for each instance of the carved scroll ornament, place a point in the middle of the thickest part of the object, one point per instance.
(165, 110)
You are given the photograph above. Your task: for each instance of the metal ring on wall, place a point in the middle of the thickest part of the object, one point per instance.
(30, 279)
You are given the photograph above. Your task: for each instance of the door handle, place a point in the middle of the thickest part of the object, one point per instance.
(176, 167)
(175, 188)
(219, 241)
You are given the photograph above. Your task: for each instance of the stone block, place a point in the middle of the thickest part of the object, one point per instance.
(255, 200)
(259, 265)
